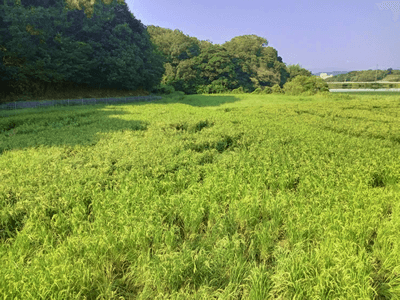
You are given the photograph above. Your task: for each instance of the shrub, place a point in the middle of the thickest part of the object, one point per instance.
(202, 89)
(304, 85)
(267, 90)
(276, 89)
(240, 90)
(178, 95)
(257, 91)
(163, 89)
(216, 87)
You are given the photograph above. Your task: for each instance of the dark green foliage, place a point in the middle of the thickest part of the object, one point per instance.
(296, 70)
(195, 66)
(202, 124)
(163, 89)
(216, 87)
(111, 49)
(214, 70)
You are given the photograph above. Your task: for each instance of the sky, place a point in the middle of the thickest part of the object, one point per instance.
(321, 36)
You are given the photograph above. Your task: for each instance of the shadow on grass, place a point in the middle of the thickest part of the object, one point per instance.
(45, 126)
(7, 109)
(77, 126)
(201, 100)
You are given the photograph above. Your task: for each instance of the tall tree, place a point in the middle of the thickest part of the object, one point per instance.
(173, 44)
(111, 47)
(214, 66)
(88, 5)
(25, 41)
(246, 45)
(259, 61)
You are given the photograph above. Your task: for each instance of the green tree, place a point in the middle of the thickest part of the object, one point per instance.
(111, 48)
(215, 62)
(25, 42)
(214, 67)
(173, 44)
(296, 70)
(262, 63)
(205, 44)
(187, 77)
(244, 61)
(246, 45)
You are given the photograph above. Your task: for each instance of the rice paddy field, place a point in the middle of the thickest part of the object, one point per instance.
(203, 197)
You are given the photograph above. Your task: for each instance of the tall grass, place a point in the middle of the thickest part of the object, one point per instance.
(202, 197)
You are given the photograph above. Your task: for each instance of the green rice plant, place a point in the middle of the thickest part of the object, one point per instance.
(228, 196)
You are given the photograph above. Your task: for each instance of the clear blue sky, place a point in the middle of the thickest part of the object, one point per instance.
(339, 35)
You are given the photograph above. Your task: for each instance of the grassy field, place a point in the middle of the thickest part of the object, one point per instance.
(203, 197)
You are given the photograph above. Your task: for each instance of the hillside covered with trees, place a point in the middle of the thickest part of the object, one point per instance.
(367, 76)
(43, 44)
(195, 66)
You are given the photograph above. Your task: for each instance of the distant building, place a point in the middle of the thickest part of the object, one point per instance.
(334, 73)
(324, 75)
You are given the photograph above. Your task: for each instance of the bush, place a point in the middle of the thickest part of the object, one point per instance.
(202, 89)
(257, 91)
(178, 95)
(216, 88)
(267, 90)
(239, 90)
(163, 89)
(304, 85)
(276, 89)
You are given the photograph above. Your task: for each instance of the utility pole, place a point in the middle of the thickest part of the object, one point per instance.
(376, 74)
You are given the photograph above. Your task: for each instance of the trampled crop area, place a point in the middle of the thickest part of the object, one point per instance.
(205, 197)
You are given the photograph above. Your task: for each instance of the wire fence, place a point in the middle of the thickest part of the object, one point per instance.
(72, 102)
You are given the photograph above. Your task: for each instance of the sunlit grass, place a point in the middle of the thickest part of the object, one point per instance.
(202, 197)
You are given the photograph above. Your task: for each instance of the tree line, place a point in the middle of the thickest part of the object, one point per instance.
(45, 42)
(367, 76)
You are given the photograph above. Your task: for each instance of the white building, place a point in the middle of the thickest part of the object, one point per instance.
(324, 75)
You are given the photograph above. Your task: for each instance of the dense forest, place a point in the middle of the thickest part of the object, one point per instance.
(195, 66)
(46, 42)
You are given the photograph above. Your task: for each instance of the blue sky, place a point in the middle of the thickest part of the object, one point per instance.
(328, 36)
